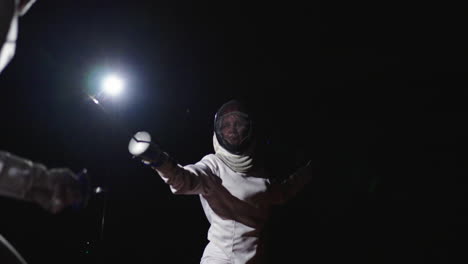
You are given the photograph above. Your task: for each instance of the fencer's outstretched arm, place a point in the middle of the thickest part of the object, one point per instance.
(53, 189)
(191, 179)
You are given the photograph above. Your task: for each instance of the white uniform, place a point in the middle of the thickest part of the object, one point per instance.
(52, 189)
(20, 178)
(236, 204)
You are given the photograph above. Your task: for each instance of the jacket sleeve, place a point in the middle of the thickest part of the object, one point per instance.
(197, 178)
(284, 191)
(53, 189)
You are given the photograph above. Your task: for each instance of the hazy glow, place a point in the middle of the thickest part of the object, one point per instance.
(113, 85)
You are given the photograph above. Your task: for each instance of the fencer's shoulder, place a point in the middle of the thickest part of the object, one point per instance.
(212, 161)
(208, 165)
(210, 157)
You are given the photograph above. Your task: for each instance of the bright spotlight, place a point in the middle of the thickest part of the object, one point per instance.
(112, 85)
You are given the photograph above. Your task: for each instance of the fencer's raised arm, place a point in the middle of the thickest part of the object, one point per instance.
(190, 179)
(197, 178)
(10, 10)
(53, 189)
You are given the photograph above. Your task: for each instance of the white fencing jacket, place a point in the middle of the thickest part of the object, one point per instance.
(237, 205)
(52, 189)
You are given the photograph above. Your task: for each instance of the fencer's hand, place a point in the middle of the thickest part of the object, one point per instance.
(145, 150)
(156, 160)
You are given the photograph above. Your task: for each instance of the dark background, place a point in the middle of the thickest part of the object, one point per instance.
(374, 93)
